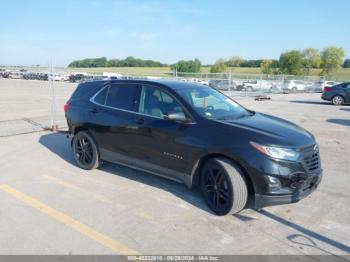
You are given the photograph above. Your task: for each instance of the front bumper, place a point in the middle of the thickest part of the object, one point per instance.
(263, 200)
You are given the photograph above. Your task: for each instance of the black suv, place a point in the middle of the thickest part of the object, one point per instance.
(338, 94)
(195, 135)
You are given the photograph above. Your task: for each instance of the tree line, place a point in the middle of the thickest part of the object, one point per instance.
(292, 62)
(130, 61)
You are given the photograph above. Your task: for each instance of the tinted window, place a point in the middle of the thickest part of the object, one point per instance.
(101, 97)
(339, 86)
(122, 96)
(86, 90)
(157, 103)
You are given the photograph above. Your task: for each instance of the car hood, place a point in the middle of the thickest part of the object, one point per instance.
(270, 130)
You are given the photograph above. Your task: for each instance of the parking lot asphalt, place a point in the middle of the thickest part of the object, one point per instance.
(50, 206)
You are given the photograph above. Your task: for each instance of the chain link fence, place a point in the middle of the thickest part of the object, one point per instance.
(246, 84)
(56, 88)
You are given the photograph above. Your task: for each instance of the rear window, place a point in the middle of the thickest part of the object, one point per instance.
(338, 86)
(122, 96)
(85, 91)
(346, 85)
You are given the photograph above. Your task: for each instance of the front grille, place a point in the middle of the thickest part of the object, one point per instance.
(311, 160)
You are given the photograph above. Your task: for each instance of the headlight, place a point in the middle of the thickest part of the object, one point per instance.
(277, 152)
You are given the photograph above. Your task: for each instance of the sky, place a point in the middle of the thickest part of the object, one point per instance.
(37, 31)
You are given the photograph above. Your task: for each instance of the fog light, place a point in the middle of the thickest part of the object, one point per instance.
(273, 180)
(274, 183)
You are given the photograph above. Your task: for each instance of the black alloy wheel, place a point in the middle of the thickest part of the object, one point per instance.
(223, 186)
(85, 151)
(216, 188)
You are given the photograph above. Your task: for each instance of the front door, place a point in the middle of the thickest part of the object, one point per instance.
(161, 145)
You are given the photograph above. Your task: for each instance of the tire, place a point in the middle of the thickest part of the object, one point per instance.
(337, 100)
(249, 89)
(294, 90)
(85, 151)
(223, 186)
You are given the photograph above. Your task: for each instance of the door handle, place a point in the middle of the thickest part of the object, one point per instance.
(139, 121)
(94, 110)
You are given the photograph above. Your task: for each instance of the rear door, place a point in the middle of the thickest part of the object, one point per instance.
(113, 113)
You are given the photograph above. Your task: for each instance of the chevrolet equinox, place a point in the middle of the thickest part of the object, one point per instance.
(195, 135)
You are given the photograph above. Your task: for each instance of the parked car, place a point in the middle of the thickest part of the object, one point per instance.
(76, 78)
(195, 135)
(254, 85)
(36, 76)
(4, 74)
(43, 77)
(294, 85)
(223, 85)
(16, 75)
(58, 77)
(199, 81)
(319, 86)
(338, 94)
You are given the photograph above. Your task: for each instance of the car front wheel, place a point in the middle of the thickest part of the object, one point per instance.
(337, 100)
(223, 186)
(85, 151)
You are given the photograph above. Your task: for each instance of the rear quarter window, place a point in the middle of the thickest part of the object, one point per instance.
(101, 96)
(85, 91)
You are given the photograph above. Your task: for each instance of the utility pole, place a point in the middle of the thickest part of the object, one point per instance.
(54, 126)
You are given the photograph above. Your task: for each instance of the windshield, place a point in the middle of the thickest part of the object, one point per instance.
(212, 104)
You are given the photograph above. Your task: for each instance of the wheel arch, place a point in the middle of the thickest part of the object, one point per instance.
(337, 95)
(196, 174)
(78, 129)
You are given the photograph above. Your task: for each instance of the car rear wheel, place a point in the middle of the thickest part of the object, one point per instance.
(337, 100)
(223, 186)
(85, 151)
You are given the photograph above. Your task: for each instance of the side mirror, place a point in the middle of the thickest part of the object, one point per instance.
(178, 117)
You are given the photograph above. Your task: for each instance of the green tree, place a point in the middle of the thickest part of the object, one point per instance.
(266, 67)
(113, 63)
(127, 62)
(331, 59)
(251, 63)
(219, 67)
(291, 62)
(346, 63)
(188, 66)
(311, 59)
(235, 61)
